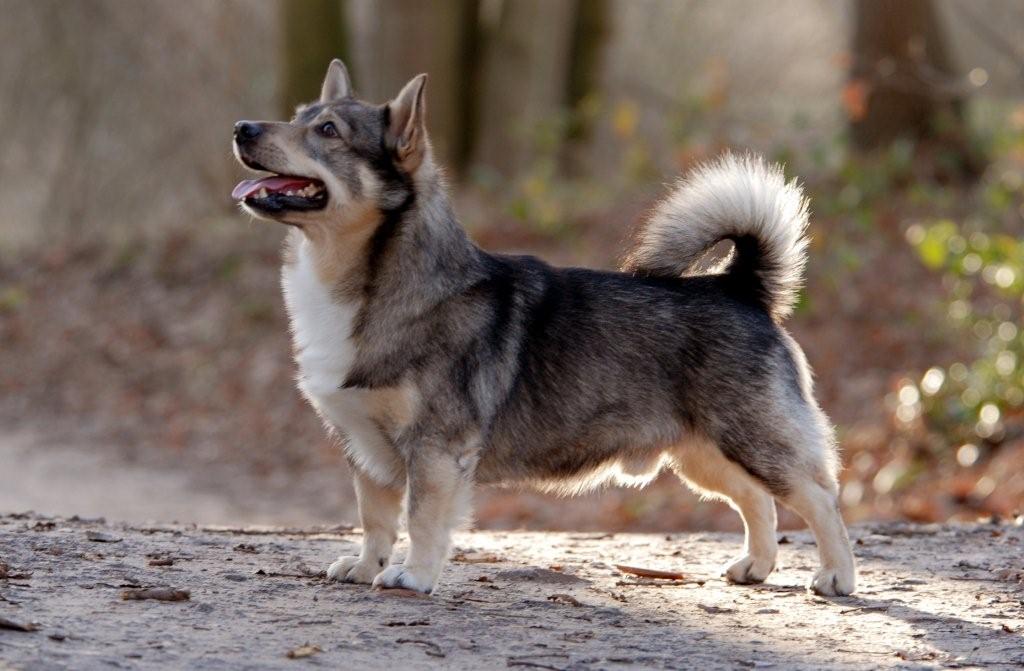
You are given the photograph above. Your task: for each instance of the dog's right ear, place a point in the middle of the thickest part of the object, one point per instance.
(336, 84)
(407, 130)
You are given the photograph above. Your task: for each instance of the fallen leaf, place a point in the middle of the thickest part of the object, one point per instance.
(650, 572)
(157, 594)
(305, 650)
(7, 574)
(565, 598)
(533, 661)
(17, 626)
(963, 563)
(715, 610)
(431, 648)
(293, 570)
(578, 636)
(102, 537)
(592, 537)
(477, 558)
(1010, 574)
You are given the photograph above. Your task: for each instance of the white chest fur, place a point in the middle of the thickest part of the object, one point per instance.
(321, 327)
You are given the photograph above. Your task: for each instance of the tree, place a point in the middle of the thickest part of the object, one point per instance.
(314, 33)
(398, 39)
(526, 78)
(903, 80)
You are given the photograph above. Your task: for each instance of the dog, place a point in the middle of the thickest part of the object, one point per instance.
(444, 366)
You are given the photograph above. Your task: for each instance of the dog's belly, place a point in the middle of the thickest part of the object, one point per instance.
(626, 471)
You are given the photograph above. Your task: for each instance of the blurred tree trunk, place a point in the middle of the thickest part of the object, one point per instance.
(525, 80)
(398, 39)
(314, 33)
(590, 30)
(903, 80)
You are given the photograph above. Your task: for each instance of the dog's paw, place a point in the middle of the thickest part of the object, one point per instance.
(834, 582)
(354, 569)
(748, 570)
(405, 577)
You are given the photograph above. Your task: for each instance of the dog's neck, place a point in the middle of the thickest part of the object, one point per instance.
(407, 240)
(394, 266)
(418, 253)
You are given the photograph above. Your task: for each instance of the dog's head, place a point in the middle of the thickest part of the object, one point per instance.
(337, 159)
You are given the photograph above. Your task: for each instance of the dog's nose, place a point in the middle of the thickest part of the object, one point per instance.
(247, 130)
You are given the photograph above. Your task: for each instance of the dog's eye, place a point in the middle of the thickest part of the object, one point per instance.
(328, 129)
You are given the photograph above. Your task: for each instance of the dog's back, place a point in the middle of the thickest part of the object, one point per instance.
(605, 364)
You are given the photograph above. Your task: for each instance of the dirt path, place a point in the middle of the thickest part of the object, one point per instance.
(56, 473)
(930, 597)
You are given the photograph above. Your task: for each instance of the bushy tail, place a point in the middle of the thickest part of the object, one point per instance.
(741, 199)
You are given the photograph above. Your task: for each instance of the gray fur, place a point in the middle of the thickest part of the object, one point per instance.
(731, 198)
(568, 378)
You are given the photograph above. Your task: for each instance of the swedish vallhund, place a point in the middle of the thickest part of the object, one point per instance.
(444, 365)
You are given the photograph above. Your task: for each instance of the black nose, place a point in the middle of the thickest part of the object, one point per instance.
(247, 130)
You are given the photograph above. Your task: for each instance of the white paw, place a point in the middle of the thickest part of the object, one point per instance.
(354, 569)
(749, 569)
(406, 577)
(834, 582)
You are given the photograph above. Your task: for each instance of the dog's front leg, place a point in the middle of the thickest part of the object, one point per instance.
(440, 488)
(379, 510)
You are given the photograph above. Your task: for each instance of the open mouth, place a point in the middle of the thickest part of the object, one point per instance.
(279, 193)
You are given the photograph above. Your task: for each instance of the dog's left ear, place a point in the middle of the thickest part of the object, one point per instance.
(337, 83)
(407, 129)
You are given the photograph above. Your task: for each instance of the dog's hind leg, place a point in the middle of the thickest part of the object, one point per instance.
(814, 496)
(379, 510)
(705, 468)
(797, 457)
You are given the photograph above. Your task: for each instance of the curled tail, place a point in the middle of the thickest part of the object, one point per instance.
(741, 199)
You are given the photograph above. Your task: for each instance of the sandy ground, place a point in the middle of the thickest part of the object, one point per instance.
(930, 597)
(52, 474)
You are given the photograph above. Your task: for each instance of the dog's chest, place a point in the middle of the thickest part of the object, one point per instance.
(321, 327)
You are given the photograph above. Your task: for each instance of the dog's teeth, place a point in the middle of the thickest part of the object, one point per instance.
(262, 193)
(289, 193)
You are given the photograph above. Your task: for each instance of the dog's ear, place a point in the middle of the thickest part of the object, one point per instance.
(407, 117)
(336, 83)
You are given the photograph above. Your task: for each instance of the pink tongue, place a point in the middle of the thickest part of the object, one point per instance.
(247, 187)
